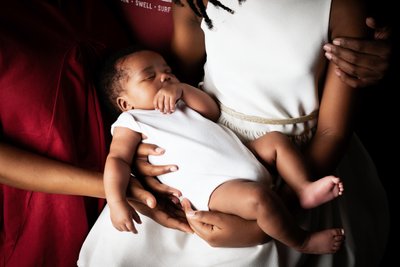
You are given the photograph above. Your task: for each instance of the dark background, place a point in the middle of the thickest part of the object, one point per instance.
(374, 130)
(377, 120)
(375, 127)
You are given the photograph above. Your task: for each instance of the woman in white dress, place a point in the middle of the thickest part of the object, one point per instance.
(265, 66)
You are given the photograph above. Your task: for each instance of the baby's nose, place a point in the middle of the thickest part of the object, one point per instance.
(165, 77)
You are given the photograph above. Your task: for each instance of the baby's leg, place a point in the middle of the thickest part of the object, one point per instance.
(277, 150)
(256, 201)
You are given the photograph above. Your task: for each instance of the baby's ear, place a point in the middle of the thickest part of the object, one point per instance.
(123, 104)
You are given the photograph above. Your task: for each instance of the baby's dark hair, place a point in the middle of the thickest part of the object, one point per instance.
(200, 10)
(109, 77)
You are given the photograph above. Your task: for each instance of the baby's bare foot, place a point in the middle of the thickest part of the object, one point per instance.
(323, 242)
(321, 191)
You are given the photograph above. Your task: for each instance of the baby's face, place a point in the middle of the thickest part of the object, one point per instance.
(147, 71)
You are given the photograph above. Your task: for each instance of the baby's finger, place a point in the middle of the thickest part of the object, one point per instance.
(155, 101)
(166, 105)
(161, 106)
(171, 103)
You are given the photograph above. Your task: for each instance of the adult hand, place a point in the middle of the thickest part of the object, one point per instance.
(149, 171)
(165, 210)
(361, 63)
(224, 230)
(142, 165)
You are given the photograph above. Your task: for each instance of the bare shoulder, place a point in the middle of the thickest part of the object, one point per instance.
(184, 11)
(348, 18)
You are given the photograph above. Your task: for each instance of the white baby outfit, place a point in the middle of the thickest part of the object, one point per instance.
(207, 154)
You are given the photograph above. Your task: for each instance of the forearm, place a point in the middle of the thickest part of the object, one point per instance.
(338, 107)
(116, 179)
(324, 153)
(29, 171)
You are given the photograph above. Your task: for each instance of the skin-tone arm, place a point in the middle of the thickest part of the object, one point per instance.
(188, 44)
(361, 62)
(194, 98)
(338, 101)
(116, 178)
(25, 170)
(201, 102)
(29, 171)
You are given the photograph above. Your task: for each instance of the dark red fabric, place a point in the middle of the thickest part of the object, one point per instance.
(48, 105)
(150, 21)
(98, 20)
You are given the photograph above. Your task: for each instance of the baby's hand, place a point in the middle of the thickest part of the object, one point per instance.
(166, 98)
(122, 216)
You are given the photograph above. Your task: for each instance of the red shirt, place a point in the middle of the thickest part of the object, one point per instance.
(48, 105)
(150, 22)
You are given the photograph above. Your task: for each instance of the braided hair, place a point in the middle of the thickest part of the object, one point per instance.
(200, 10)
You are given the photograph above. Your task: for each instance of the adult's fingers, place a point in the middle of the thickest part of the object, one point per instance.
(130, 227)
(355, 82)
(137, 193)
(380, 48)
(202, 223)
(356, 69)
(380, 33)
(144, 168)
(168, 219)
(359, 67)
(362, 62)
(161, 188)
(145, 150)
(376, 61)
(136, 217)
(223, 230)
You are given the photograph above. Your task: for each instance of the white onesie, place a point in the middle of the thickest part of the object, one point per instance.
(206, 153)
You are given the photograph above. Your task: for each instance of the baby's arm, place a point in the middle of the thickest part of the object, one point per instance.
(201, 102)
(195, 98)
(116, 178)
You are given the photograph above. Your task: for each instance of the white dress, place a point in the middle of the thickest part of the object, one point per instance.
(206, 153)
(266, 71)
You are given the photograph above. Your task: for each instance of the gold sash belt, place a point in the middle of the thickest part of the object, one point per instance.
(261, 120)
